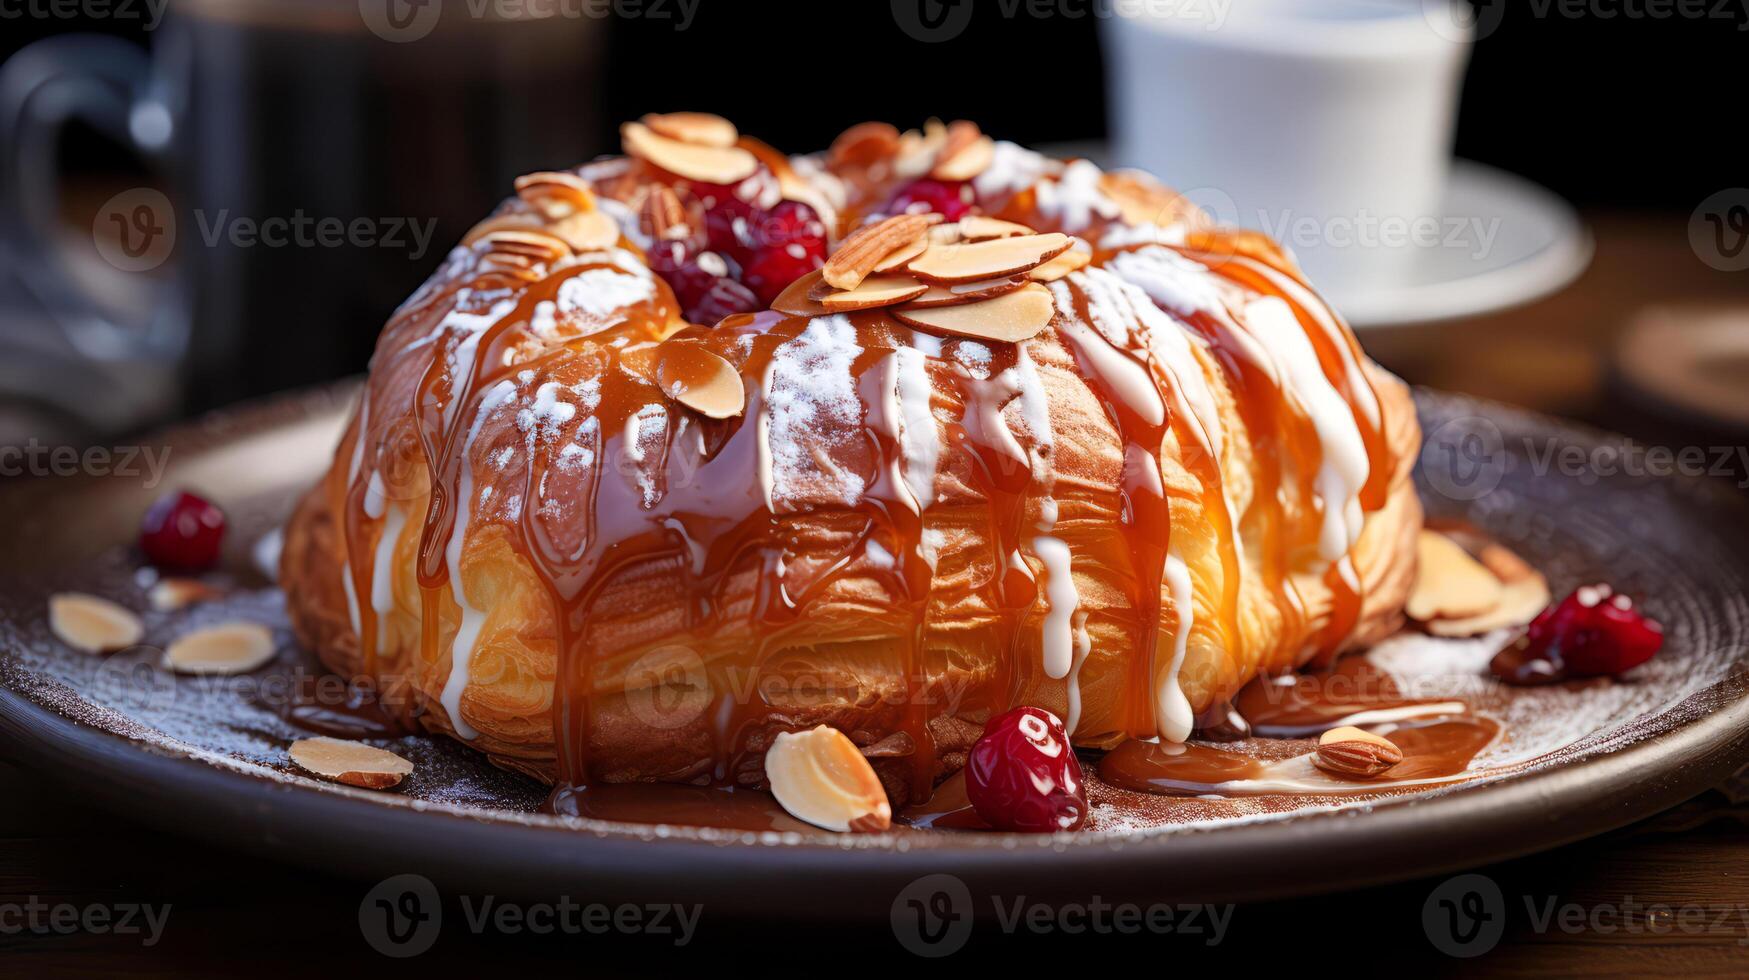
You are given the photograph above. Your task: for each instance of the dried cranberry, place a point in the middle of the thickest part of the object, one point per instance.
(182, 533)
(728, 227)
(951, 199)
(725, 297)
(789, 223)
(1023, 775)
(1592, 633)
(769, 272)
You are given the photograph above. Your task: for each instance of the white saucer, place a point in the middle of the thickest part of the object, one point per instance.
(1540, 246)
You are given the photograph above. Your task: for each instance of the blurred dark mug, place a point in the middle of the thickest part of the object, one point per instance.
(317, 159)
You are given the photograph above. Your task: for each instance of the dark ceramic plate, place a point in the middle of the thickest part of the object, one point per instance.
(208, 758)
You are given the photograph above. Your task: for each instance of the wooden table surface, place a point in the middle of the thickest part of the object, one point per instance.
(1669, 895)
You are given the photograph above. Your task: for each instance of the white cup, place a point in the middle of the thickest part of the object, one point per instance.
(1325, 123)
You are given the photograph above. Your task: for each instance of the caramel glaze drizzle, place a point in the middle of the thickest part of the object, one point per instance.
(425, 406)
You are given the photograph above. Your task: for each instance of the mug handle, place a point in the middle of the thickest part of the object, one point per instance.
(103, 82)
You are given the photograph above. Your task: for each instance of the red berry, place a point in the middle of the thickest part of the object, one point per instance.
(1023, 775)
(950, 199)
(728, 227)
(182, 533)
(769, 272)
(725, 297)
(1592, 633)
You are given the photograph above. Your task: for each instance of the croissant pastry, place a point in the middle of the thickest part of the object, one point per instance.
(1035, 433)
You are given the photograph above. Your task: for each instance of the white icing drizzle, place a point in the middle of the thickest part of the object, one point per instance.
(1366, 401)
(1058, 642)
(461, 649)
(1083, 646)
(1012, 168)
(382, 573)
(1074, 199)
(1120, 235)
(919, 438)
(811, 404)
(1120, 372)
(1173, 716)
(1343, 466)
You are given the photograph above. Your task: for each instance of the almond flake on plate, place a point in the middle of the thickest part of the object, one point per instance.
(709, 164)
(232, 648)
(1010, 318)
(700, 128)
(969, 262)
(352, 763)
(94, 625)
(873, 292)
(821, 778)
(171, 594)
(1450, 584)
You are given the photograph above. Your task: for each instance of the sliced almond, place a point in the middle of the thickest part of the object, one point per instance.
(233, 648)
(510, 221)
(171, 594)
(1356, 753)
(700, 380)
(918, 151)
(801, 298)
(976, 228)
(533, 245)
(555, 193)
(1450, 584)
(971, 261)
(945, 234)
(863, 144)
(709, 164)
(1010, 317)
(821, 778)
(94, 625)
(662, 215)
(1141, 200)
(964, 154)
(1070, 261)
(591, 231)
(1520, 602)
(872, 292)
(352, 763)
(965, 292)
(903, 254)
(700, 128)
(866, 247)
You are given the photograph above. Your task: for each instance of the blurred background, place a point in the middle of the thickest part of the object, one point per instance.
(211, 200)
